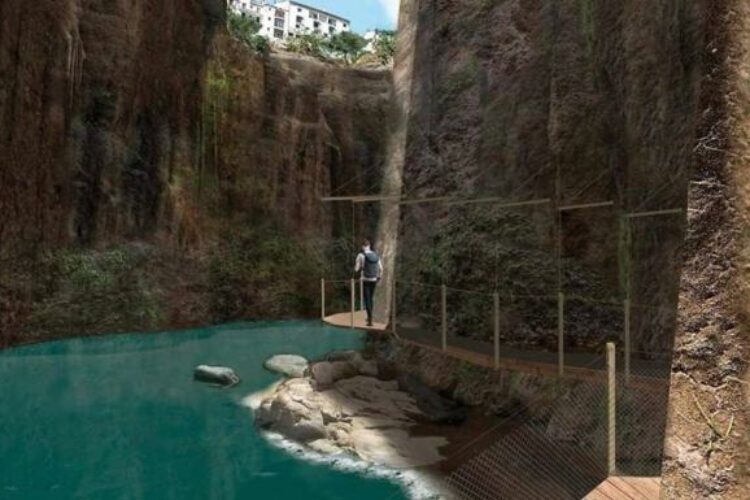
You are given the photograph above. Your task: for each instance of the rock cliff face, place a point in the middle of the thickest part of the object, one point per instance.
(151, 161)
(573, 102)
(565, 104)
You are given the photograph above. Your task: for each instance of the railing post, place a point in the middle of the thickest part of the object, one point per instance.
(353, 299)
(322, 298)
(560, 334)
(361, 294)
(444, 315)
(626, 340)
(496, 304)
(611, 409)
(393, 307)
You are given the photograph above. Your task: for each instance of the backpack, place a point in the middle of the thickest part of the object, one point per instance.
(371, 265)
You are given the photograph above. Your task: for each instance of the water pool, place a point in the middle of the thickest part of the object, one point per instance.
(119, 417)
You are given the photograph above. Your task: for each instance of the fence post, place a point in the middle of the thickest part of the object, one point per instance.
(444, 315)
(611, 409)
(393, 307)
(496, 307)
(353, 299)
(627, 340)
(560, 334)
(361, 294)
(322, 298)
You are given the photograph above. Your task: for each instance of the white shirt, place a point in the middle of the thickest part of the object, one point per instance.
(359, 265)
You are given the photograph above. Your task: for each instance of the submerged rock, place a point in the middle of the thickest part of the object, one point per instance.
(218, 375)
(290, 365)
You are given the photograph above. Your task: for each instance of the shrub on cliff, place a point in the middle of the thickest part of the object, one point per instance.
(348, 46)
(261, 271)
(85, 291)
(245, 29)
(385, 46)
(309, 44)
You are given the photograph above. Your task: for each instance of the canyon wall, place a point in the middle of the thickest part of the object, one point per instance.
(586, 111)
(574, 104)
(156, 173)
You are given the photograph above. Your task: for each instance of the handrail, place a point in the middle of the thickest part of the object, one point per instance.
(561, 299)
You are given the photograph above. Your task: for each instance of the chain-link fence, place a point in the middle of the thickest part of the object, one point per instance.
(554, 448)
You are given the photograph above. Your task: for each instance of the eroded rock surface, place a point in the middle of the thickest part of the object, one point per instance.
(338, 410)
(290, 365)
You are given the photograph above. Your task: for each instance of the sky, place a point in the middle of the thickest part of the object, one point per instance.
(364, 14)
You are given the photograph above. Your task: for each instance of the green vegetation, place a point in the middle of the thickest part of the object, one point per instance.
(346, 45)
(588, 25)
(385, 46)
(259, 270)
(88, 290)
(309, 44)
(459, 82)
(245, 29)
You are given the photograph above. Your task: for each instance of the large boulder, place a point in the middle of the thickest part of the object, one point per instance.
(367, 367)
(326, 373)
(292, 412)
(435, 408)
(218, 375)
(290, 365)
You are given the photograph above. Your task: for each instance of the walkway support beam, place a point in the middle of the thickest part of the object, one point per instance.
(393, 308)
(611, 409)
(560, 334)
(322, 298)
(496, 309)
(626, 339)
(444, 316)
(353, 298)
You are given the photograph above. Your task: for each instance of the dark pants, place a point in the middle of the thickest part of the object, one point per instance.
(369, 287)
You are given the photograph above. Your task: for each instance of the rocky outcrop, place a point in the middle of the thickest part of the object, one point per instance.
(363, 416)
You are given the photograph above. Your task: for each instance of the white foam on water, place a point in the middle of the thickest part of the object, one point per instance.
(254, 400)
(417, 485)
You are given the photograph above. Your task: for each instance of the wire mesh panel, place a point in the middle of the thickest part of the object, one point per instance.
(587, 327)
(337, 297)
(589, 242)
(642, 399)
(419, 316)
(529, 322)
(470, 319)
(553, 449)
(653, 273)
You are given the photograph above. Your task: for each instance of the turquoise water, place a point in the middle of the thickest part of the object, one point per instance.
(120, 417)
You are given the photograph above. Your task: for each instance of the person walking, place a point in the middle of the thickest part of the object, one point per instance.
(370, 267)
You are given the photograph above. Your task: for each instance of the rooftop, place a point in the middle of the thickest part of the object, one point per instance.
(310, 7)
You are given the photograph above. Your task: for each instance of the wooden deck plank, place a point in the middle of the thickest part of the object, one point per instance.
(648, 487)
(344, 320)
(627, 488)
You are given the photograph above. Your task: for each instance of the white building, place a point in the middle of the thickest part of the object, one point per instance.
(281, 20)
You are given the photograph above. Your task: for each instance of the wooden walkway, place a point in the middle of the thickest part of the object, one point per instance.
(627, 488)
(578, 366)
(344, 320)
